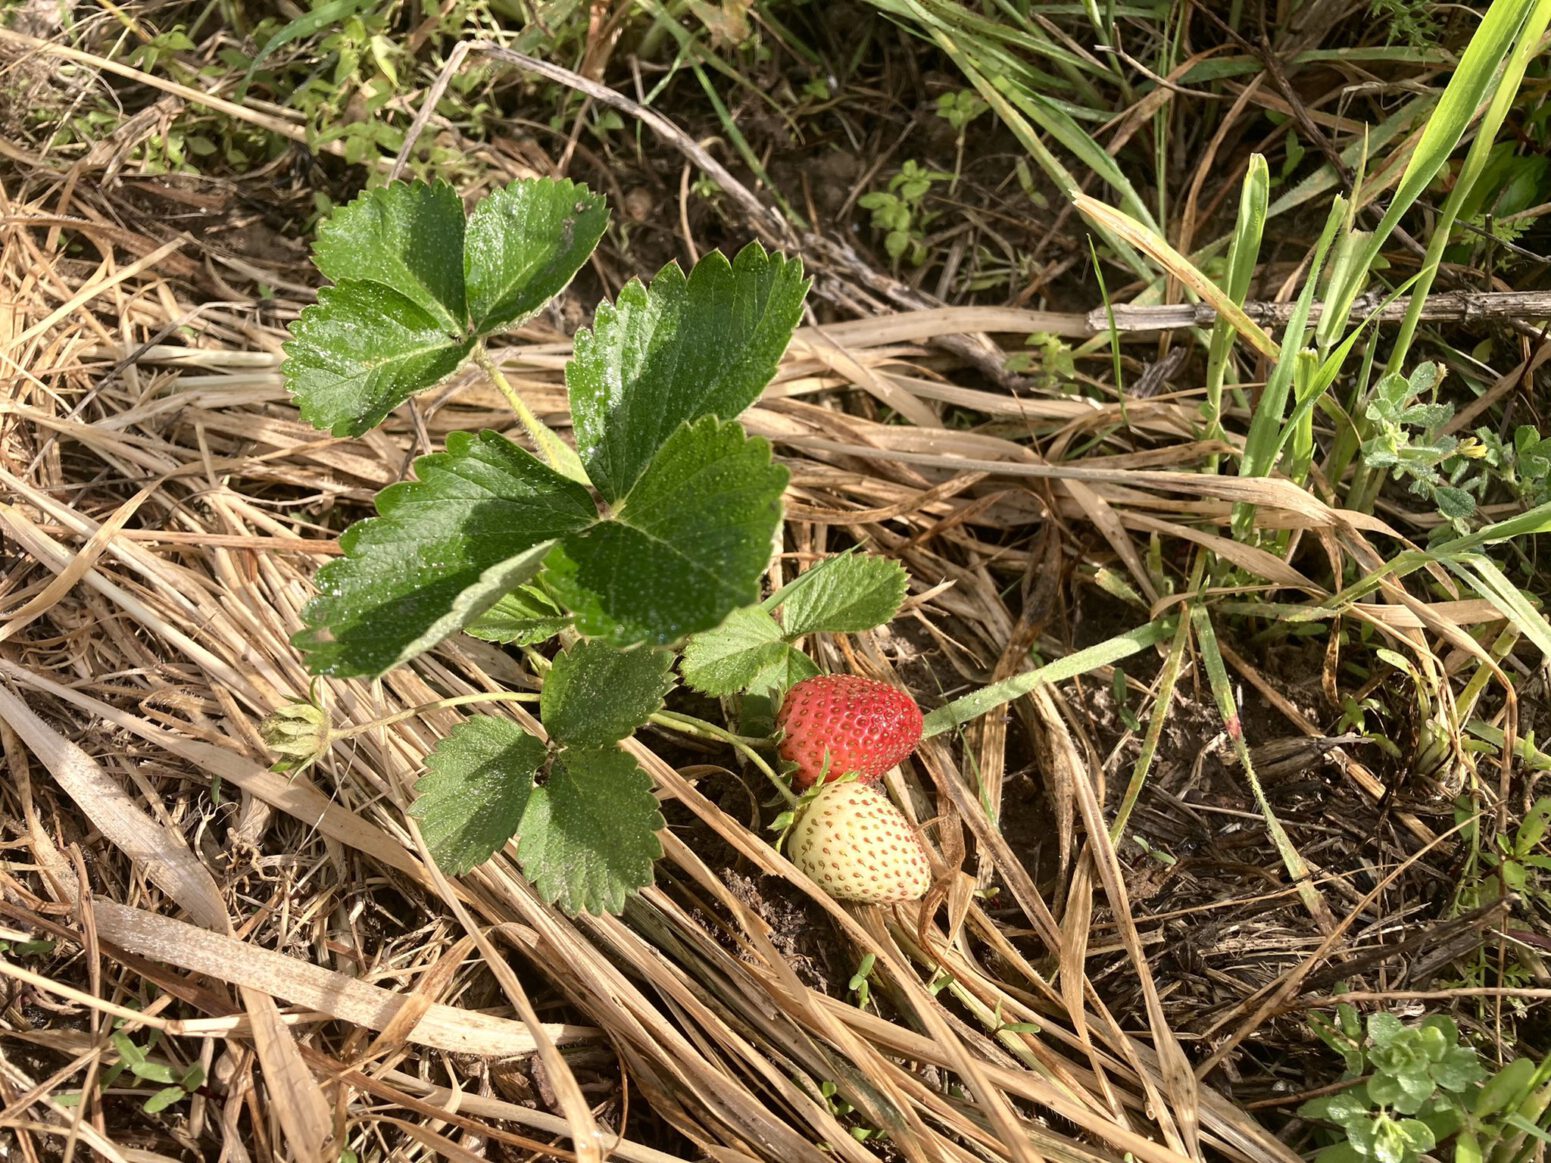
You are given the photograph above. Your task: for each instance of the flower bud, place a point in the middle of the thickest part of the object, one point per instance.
(297, 733)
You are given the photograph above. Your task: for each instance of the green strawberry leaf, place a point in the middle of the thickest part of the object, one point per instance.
(524, 244)
(844, 595)
(523, 617)
(589, 836)
(725, 660)
(685, 348)
(445, 547)
(596, 695)
(407, 237)
(782, 673)
(360, 351)
(685, 548)
(477, 786)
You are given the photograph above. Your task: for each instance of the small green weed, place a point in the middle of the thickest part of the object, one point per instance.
(958, 109)
(1051, 363)
(840, 1108)
(1514, 862)
(1522, 465)
(1406, 438)
(1409, 21)
(859, 984)
(136, 1061)
(1414, 1087)
(899, 212)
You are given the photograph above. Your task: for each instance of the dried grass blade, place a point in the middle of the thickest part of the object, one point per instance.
(1180, 1118)
(300, 1105)
(1176, 264)
(291, 794)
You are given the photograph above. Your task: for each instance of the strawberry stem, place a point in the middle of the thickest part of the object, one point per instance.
(745, 745)
(437, 705)
(559, 455)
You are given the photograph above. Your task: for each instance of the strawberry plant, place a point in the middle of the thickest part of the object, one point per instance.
(650, 536)
(656, 526)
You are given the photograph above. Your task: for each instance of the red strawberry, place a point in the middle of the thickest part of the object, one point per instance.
(862, 725)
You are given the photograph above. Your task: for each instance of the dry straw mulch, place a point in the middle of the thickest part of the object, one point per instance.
(163, 511)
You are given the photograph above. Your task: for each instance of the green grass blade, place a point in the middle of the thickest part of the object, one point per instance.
(1168, 679)
(1490, 582)
(1222, 689)
(1447, 125)
(988, 698)
(1507, 89)
(1243, 254)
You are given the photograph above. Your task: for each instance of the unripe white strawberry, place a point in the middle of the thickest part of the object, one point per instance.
(859, 846)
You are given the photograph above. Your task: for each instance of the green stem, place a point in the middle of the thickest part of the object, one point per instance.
(1217, 678)
(745, 745)
(1162, 704)
(559, 455)
(438, 705)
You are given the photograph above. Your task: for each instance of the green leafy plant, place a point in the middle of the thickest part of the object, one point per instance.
(859, 984)
(23, 948)
(1521, 463)
(1414, 1087)
(1406, 440)
(753, 652)
(1514, 862)
(657, 525)
(958, 108)
(656, 528)
(899, 212)
(174, 1085)
(1407, 21)
(1054, 368)
(1509, 187)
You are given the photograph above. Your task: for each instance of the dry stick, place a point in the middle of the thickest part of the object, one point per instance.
(768, 221)
(294, 131)
(1459, 306)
